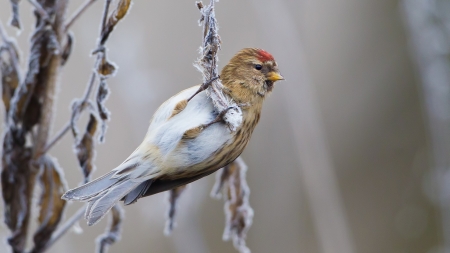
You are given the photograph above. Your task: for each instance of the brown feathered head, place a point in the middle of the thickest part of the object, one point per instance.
(252, 71)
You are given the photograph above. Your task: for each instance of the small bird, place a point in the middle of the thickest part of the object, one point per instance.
(187, 139)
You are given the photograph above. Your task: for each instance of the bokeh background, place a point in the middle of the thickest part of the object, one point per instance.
(342, 160)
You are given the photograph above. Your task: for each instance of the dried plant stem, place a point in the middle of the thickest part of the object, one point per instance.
(78, 13)
(66, 226)
(42, 12)
(91, 82)
(52, 74)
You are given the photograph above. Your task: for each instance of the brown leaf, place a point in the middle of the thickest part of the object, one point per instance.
(41, 50)
(15, 21)
(17, 187)
(174, 197)
(121, 10)
(105, 68)
(238, 212)
(10, 77)
(77, 107)
(85, 148)
(51, 204)
(67, 49)
(102, 95)
(112, 234)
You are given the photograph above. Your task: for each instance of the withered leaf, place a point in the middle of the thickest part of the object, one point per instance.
(102, 95)
(112, 234)
(39, 54)
(10, 77)
(121, 10)
(174, 197)
(17, 187)
(67, 49)
(85, 148)
(51, 205)
(15, 21)
(238, 212)
(77, 107)
(105, 68)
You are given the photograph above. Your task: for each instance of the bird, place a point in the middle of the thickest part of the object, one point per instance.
(187, 139)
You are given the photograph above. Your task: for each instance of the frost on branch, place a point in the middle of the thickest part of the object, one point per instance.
(207, 65)
(239, 214)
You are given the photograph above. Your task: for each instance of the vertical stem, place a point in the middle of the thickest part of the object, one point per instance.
(52, 73)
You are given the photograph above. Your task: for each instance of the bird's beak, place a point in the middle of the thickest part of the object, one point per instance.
(274, 76)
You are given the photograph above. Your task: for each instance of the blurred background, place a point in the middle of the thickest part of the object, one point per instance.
(344, 158)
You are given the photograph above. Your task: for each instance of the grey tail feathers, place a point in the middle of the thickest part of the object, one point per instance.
(101, 204)
(137, 193)
(102, 194)
(91, 189)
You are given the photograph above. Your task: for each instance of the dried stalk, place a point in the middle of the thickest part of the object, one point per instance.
(207, 65)
(52, 73)
(66, 226)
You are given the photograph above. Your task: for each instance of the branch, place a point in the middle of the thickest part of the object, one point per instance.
(65, 227)
(50, 87)
(42, 12)
(207, 65)
(78, 13)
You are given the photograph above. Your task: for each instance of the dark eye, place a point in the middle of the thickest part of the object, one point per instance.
(258, 66)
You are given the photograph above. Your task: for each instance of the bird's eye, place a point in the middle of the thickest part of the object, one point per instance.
(258, 66)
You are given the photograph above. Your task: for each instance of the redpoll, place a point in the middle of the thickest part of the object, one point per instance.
(187, 138)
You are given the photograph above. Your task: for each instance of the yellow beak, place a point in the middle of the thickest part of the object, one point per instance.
(274, 76)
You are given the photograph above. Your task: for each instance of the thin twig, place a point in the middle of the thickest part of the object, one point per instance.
(78, 13)
(66, 128)
(42, 12)
(65, 227)
(50, 88)
(55, 139)
(105, 15)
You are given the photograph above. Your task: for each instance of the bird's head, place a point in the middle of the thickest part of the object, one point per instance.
(251, 72)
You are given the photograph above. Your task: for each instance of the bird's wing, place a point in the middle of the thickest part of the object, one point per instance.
(174, 148)
(166, 149)
(166, 109)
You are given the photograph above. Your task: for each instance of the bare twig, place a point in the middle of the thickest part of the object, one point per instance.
(66, 226)
(207, 65)
(78, 13)
(50, 88)
(38, 7)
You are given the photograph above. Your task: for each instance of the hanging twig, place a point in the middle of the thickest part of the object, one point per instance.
(207, 65)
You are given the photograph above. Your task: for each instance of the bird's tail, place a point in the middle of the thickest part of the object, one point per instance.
(101, 194)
